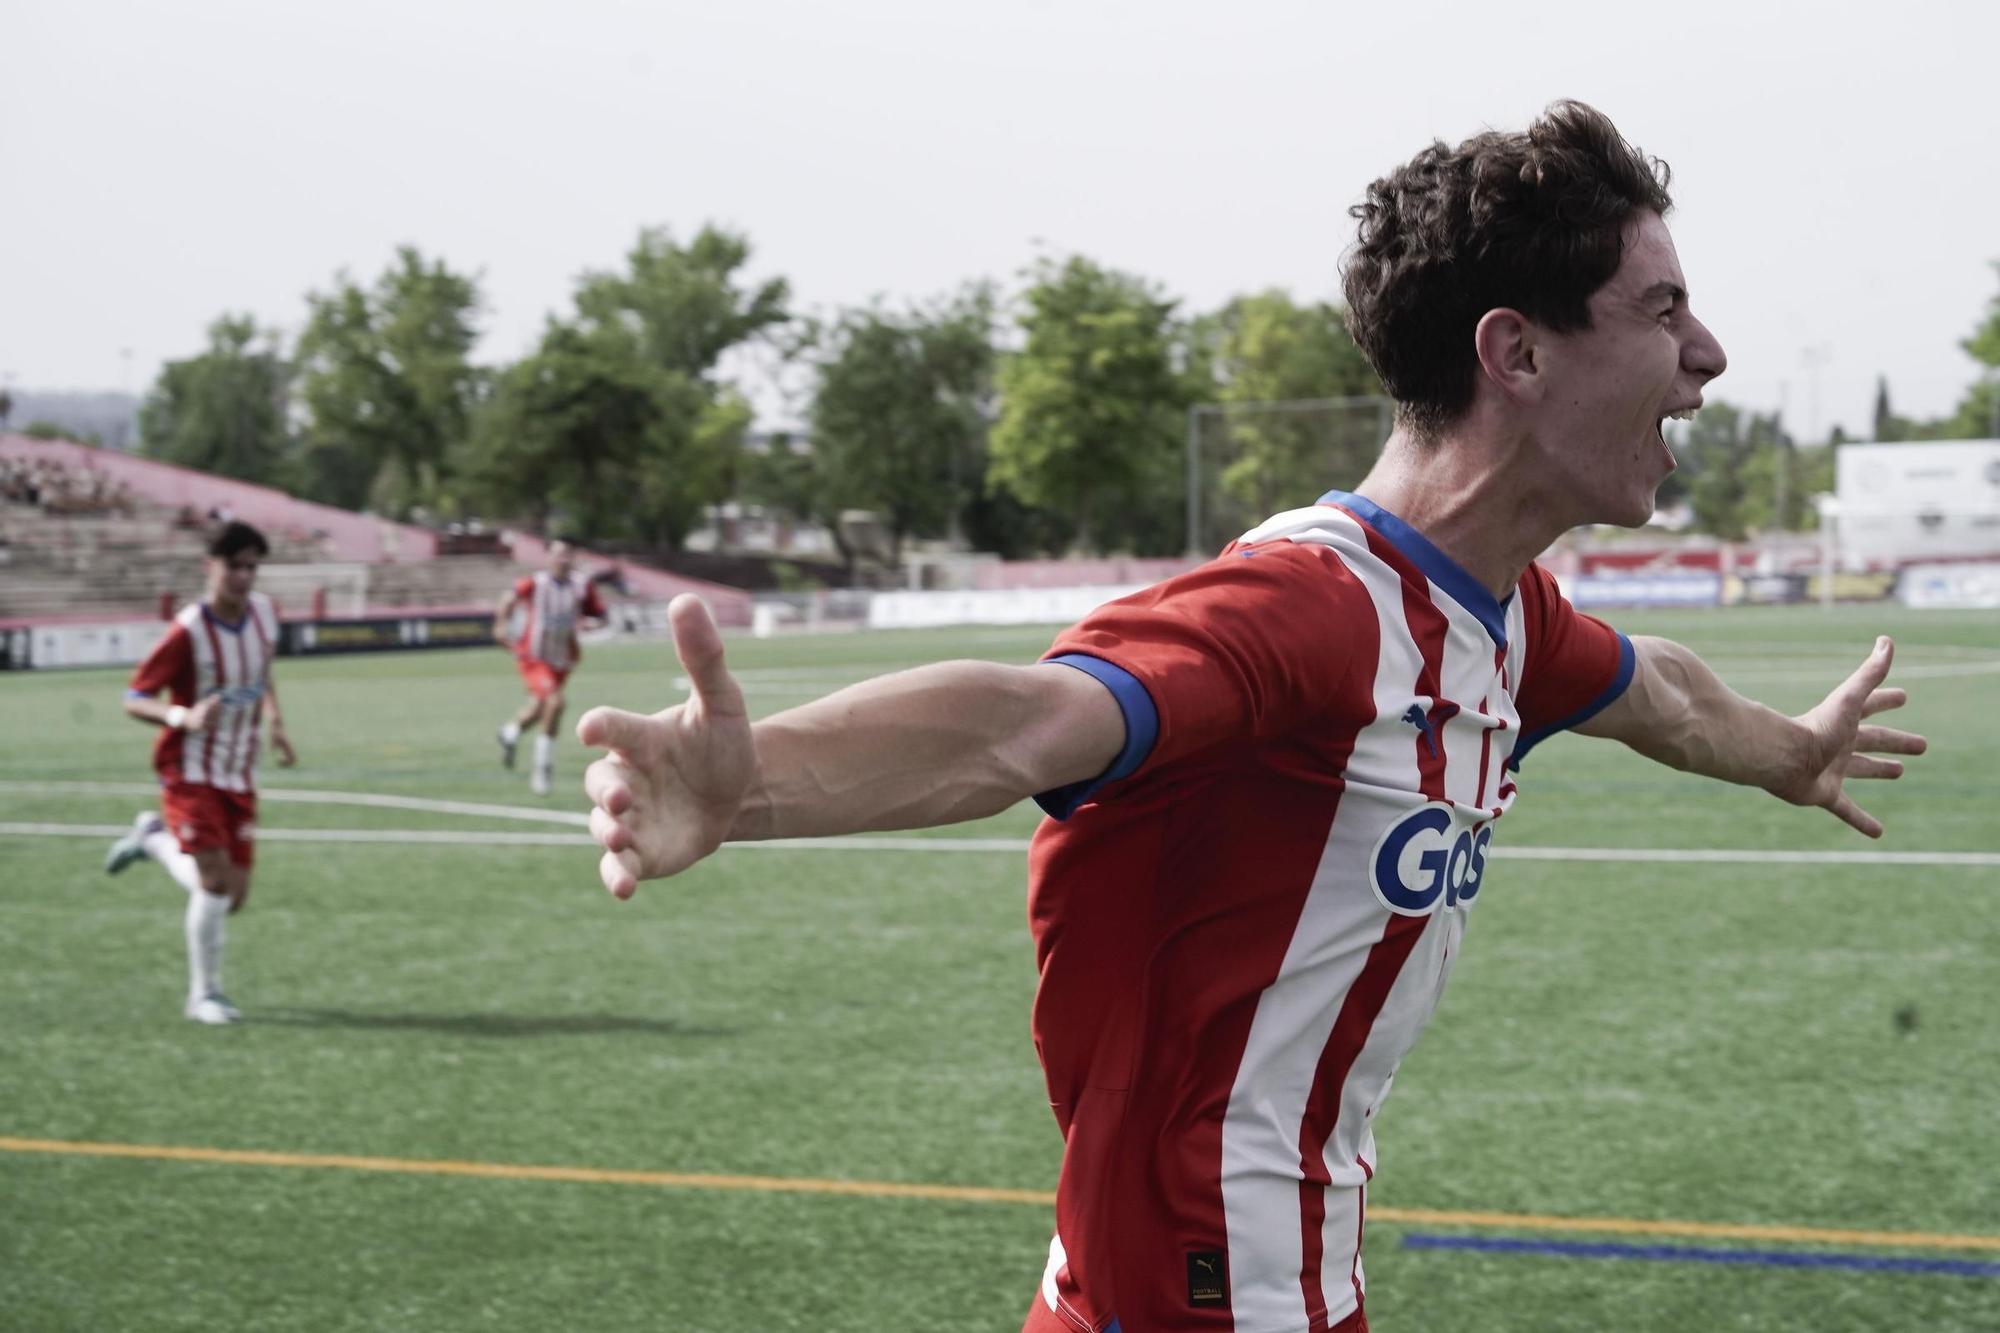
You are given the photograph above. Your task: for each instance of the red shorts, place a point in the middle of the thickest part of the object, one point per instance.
(205, 818)
(541, 678)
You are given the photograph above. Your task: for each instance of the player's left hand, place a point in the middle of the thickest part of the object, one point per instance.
(670, 789)
(282, 743)
(1840, 745)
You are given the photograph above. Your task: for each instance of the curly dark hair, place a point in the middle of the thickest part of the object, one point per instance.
(235, 537)
(1533, 221)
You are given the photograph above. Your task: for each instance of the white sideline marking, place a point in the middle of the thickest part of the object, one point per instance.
(1833, 673)
(307, 796)
(852, 843)
(479, 837)
(1733, 856)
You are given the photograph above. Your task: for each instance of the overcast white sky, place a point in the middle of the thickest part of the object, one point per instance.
(1837, 164)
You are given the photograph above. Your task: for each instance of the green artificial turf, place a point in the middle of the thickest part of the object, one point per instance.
(1794, 1045)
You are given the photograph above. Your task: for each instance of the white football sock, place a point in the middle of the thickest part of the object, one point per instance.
(165, 848)
(206, 913)
(545, 751)
(511, 731)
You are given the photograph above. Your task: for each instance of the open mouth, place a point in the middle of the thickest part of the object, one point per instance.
(1660, 432)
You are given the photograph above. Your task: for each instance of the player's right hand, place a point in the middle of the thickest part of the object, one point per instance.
(668, 792)
(201, 714)
(1842, 745)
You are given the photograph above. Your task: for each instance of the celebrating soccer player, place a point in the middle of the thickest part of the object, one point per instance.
(214, 664)
(558, 602)
(1274, 782)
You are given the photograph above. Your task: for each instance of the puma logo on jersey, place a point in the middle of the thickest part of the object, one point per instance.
(1440, 713)
(1416, 718)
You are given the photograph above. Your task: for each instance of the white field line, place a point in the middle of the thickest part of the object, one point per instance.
(306, 796)
(855, 843)
(1016, 846)
(1835, 673)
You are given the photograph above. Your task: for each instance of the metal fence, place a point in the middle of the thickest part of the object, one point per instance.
(1247, 461)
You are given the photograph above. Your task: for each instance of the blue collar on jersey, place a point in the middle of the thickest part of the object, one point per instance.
(220, 623)
(1438, 567)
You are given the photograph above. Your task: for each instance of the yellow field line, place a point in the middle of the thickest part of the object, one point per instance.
(507, 1171)
(882, 1189)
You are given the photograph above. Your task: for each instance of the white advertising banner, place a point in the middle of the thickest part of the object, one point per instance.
(93, 645)
(1951, 587)
(1904, 502)
(1010, 606)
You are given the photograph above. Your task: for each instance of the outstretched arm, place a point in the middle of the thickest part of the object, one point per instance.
(1678, 712)
(934, 745)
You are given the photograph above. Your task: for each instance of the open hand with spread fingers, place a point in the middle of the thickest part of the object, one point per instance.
(1841, 744)
(668, 791)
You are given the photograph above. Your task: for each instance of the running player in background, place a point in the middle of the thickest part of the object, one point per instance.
(214, 666)
(1275, 781)
(556, 604)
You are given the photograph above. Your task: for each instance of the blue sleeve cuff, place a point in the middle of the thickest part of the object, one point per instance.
(1142, 728)
(1620, 680)
(137, 694)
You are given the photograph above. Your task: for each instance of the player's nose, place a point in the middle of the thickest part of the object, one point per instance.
(1702, 354)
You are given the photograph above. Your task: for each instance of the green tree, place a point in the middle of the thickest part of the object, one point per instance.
(686, 303)
(899, 411)
(1978, 415)
(1731, 458)
(40, 429)
(1268, 348)
(562, 430)
(1091, 407)
(784, 475)
(1887, 426)
(388, 384)
(618, 421)
(225, 411)
(588, 433)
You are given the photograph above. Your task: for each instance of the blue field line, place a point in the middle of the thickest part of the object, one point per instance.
(1869, 1263)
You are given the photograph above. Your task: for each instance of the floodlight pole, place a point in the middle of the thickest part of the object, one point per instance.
(1780, 472)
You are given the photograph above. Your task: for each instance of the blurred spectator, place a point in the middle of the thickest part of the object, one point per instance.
(58, 488)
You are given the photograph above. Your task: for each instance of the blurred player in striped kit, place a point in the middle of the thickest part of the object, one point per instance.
(214, 666)
(557, 603)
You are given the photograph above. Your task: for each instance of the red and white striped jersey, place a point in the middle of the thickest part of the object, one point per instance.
(202, 655)
(1244, 924)
(553, 607)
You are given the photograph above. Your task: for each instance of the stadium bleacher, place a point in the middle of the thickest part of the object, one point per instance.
(94, 534)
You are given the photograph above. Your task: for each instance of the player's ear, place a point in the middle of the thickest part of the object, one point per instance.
(1511, 354)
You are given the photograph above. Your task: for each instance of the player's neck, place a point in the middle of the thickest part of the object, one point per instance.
(223, 607)
(1467, 501)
